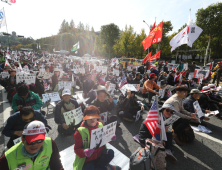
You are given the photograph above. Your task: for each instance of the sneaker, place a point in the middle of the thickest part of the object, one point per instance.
(170, 156)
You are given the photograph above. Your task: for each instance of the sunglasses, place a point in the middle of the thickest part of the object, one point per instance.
(169, 110)
(37, 141)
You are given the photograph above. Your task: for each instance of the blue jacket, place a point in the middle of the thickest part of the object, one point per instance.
(188, 104)
(155, 72)
(15, 123)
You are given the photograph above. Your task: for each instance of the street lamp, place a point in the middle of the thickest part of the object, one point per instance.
(149, 29)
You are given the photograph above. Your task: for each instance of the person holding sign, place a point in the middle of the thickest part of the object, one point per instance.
(148, 88)
(66, 104)
(91, 159)
(65, 79)
(35, 151)
(87, 85)
(17, 121)
(11, 84)
(24, 97)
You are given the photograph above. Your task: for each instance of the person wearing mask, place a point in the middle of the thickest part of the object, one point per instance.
(88, 84)
(86, 158)
(16, 123)
(148, 91)
(193, 97)
(66, 104)
(183, 122)
(24, 97)
(167, 110)
(127, 106)
(35, 151)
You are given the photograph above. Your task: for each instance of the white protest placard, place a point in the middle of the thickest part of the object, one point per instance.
(53, 96)
(171, 119)
(26, 69)
(17, 140)
(127, 87)
(27, 78)
(5, 74)
(161, 93)
(82, 70)
(98, 68)
(129, 68)
(45, 75)
(104, 69)
(212, 113)
(191, 76)
(104, 116)
(111, 87)
(65, 84)
(197, 109)
(185, 66)
(137, 86)
(74, 116)
(158, 83)
(116, 72)
(102, 135)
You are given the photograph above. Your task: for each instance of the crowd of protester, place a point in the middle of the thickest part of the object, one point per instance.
(180, 92)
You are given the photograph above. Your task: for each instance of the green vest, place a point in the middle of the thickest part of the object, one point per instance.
(15, 157)
(84, 132)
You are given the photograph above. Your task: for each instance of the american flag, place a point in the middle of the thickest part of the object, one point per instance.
(151, 121)
(123, 82)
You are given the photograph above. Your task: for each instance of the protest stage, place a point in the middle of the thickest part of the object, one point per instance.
(68, 157)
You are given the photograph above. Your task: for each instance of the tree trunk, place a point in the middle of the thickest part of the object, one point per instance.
(205, 59)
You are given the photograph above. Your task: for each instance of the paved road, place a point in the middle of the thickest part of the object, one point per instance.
(204, 153)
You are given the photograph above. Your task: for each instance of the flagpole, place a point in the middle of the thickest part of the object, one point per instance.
(6, 26)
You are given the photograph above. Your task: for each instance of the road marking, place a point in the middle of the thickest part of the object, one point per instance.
(209, 137)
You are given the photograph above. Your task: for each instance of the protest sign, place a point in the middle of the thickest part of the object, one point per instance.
(104, 69)
(112, 87)
(102, 135)
(27, 78)
(53, 96)
(98, 68)
(197, 109)
(26, 69)
(44, 75)
(129, 68)
(158, 83)
(104, 116)
(185, 66)
(17, 140)
(137, 86)
(212, 113)
(74, 116)
(161, 93)
(116, 72)
(65, 84)
(171, 119)
(82, 70)
(127, 87)
(5, 74)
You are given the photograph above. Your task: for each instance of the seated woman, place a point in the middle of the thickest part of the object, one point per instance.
(93, 159)
(127, 106)
(167, 111)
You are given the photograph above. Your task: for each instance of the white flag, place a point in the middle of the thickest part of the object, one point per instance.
(179, 39)
(2, 18)
(163, 132)
(7, 63)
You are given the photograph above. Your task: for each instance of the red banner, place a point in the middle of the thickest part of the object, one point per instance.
(155, 56)
(159, 33)
(147, 57)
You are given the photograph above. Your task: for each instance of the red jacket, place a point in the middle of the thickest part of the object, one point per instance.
(78, 147)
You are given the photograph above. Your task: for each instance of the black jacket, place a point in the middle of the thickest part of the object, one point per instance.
(205, 100)
(170, 80)
(87, 86)
(200, 87)
(124, 104)
(188, 104)
(103, 106)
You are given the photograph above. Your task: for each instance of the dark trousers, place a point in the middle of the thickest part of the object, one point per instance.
(216, 78)
(100, 164)
(69, 131)
(180, 125)
(148, 95)
(131, 114)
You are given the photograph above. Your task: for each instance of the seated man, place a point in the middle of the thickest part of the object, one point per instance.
(137, 78)
(204, 83)
(16, 123)
(127, 106)
(35, 151)
(66, 104)
(148, 88)
(188, 102)
(24, 97)
(130, 79)
(87, 85)
(104, 102)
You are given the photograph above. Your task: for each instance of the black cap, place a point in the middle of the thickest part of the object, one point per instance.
(204, 81)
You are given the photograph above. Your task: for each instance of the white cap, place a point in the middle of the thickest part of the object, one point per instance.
(66, 92)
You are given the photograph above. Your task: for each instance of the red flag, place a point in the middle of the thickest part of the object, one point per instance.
(153, 26)
(13, 1)
(159, 33)
(184, 73)
(148, 41)
(211, 64)
(147, 57)
(155, 56)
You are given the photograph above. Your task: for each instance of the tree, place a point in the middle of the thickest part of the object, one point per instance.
(109, 35)
(62, 27)
(138, 44)
(72, 26)
(13, 33)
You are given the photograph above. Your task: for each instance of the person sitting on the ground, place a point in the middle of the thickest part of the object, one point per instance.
(167, 111)
(204, 83)
(127, 106)
(65, 78)
(86, 158)
(16, 123)
(183, 122)
(137, 78)
(87, 85)
(35, 151)
(130, 79)
(55, 78)
(102, 80)
(170, 79)
(213, 95)
(104, 102)
(188, 103)
(24, 97)
(152, 70)
(148, 91)
(134, 73)
(66, 104)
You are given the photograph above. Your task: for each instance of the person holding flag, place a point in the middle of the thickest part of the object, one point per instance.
(149, 128)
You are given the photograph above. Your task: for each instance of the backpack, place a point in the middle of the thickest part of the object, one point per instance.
(141, 160)
(158, 152)
(187, 135)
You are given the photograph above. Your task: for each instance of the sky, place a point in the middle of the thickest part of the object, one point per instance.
(43, 18)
